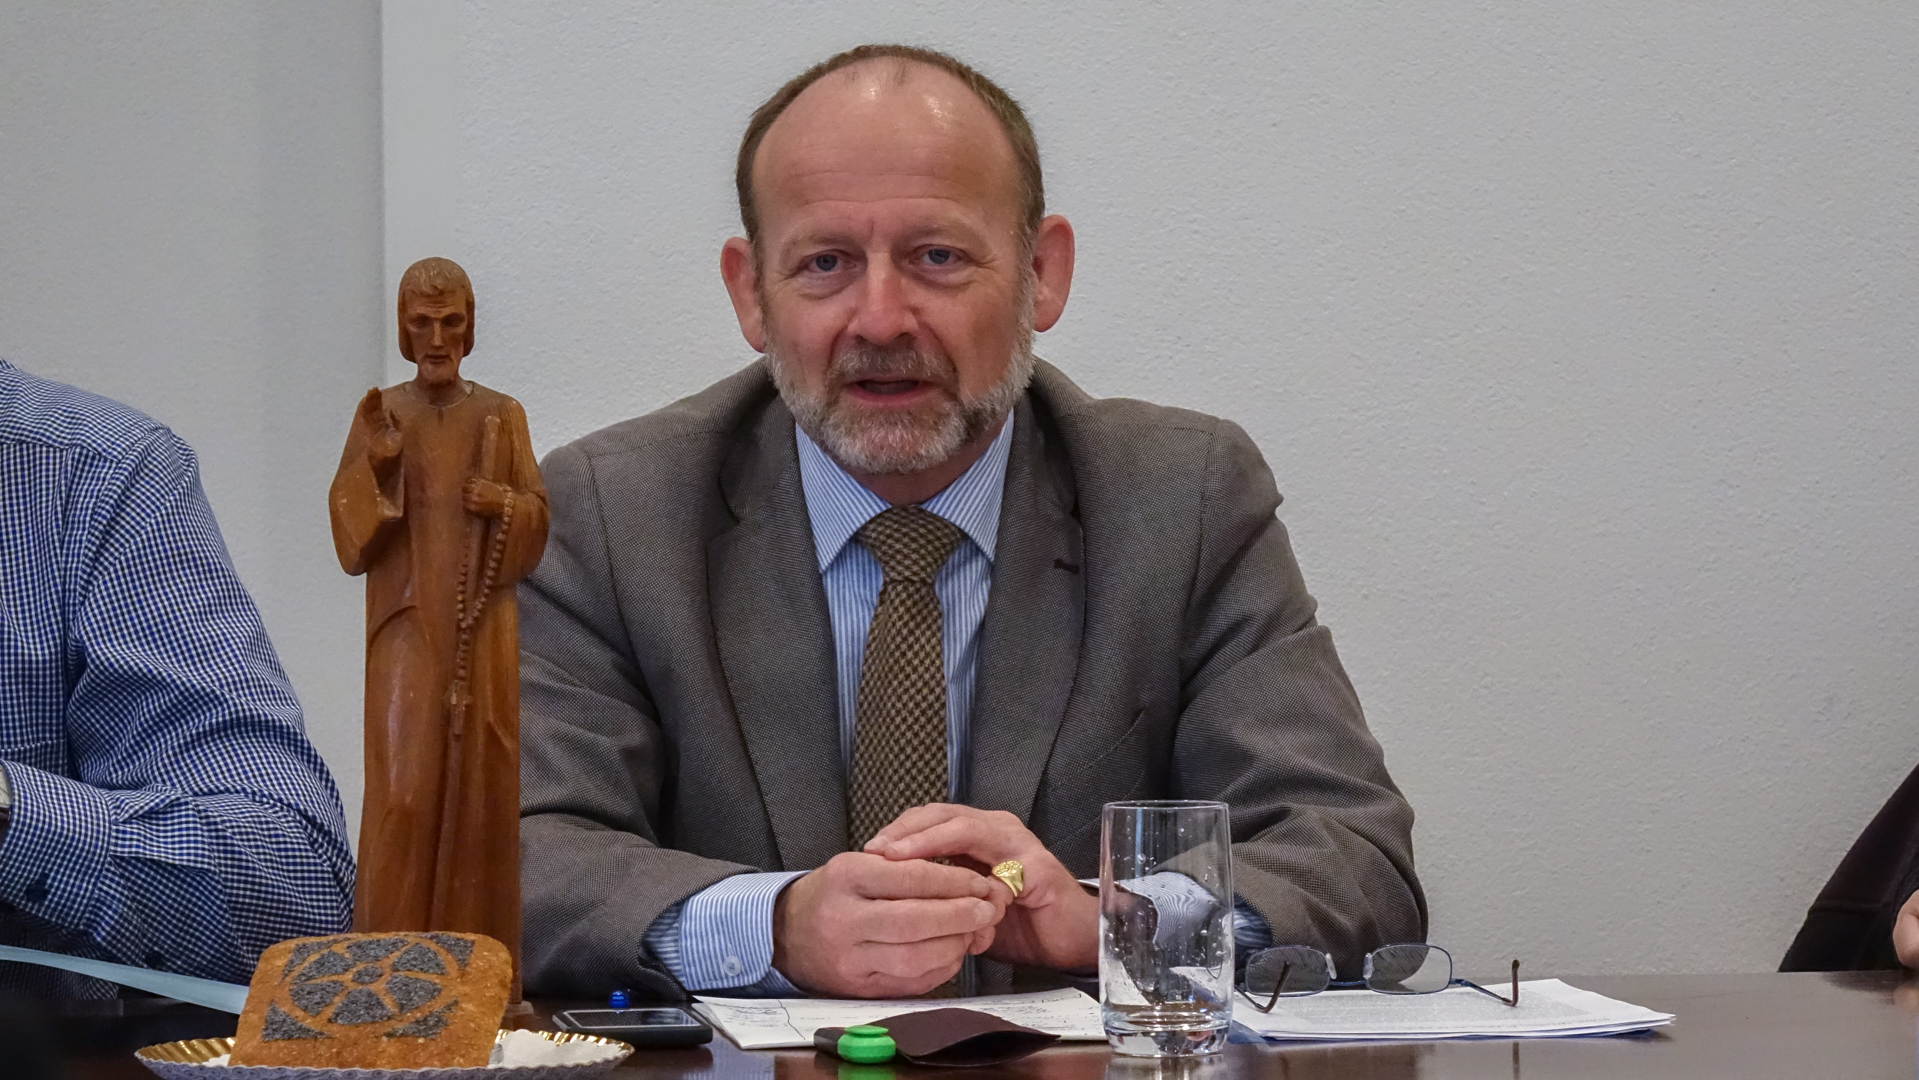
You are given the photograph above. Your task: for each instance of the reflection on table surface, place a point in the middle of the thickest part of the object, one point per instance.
(1855, 1024)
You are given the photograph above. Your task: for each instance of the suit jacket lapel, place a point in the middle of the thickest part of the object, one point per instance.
(1029, 643)
(776, 644)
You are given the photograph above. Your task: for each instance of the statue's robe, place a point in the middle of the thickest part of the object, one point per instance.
(440, 825)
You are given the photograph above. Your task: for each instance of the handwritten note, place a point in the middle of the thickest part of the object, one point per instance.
(775, 1023)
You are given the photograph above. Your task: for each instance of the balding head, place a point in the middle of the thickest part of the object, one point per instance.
(896, 263)
(866, 77)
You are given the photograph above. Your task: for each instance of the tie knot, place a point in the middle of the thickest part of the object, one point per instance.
(909, 542)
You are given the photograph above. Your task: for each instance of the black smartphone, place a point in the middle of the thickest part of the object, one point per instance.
(663, 1026)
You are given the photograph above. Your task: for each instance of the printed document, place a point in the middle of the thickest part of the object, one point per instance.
(1547, 1008)
(776, 1023)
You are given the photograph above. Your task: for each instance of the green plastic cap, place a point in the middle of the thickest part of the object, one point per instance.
(867, 1045)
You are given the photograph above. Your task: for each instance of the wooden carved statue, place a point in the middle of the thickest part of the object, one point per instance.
(438, 501)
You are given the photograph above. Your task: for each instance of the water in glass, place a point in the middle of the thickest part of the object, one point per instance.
(1166, 933)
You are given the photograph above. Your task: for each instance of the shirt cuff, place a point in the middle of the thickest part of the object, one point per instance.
(721, 938)
(1181, 903)
(56, 845)
(1250, 932)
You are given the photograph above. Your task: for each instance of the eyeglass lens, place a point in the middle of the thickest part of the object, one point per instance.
(1409, 969)
(1289, 969)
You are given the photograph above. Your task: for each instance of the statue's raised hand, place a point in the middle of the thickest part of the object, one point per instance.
(383, 448)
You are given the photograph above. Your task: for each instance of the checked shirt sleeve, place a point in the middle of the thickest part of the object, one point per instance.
(188, 823)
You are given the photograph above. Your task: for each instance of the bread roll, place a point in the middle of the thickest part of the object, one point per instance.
(375, 1001)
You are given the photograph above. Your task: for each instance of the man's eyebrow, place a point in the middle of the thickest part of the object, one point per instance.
(817, 238)
(955, 231)
(958, 230)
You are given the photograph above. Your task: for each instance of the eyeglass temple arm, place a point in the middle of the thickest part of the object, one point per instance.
(1513, 1001)
(1279, 987)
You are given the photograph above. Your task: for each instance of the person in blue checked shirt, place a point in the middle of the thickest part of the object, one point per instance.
(159, 802)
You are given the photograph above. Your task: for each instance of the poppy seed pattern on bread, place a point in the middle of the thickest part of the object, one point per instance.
(395, 1000)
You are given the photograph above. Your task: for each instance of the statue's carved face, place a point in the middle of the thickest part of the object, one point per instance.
(438, 332)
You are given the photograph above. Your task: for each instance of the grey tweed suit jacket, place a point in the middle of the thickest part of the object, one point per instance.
(1147, 635)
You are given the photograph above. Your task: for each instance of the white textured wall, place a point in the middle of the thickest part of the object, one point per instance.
(1579, 336)
(190, 222)
(1581, 344)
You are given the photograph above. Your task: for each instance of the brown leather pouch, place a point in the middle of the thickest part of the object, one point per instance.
(953, 1037)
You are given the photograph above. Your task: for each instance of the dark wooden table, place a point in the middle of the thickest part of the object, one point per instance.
(1852, 1025)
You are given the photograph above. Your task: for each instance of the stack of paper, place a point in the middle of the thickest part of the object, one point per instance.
(1547, 1008)
(773, 1023)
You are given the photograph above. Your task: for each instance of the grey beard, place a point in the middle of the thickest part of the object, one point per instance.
(904, 443)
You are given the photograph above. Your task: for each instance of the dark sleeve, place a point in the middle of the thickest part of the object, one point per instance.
(1849, 926)
(199, 825)
(593, 763)
(1270, 723)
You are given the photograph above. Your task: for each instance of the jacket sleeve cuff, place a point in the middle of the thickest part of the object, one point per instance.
(721, 938)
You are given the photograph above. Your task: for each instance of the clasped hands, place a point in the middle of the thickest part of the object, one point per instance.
(888, 922)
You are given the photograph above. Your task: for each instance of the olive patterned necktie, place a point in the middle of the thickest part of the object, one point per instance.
(899, 737)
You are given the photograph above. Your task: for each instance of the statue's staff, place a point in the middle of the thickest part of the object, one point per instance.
(470, 606)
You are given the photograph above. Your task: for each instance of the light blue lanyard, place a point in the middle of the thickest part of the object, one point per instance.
(226, 997)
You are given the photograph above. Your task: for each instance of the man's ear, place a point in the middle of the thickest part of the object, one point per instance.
(742, 279)
(1052, 269)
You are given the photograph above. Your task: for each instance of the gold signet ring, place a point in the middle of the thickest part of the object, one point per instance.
(1013, 873)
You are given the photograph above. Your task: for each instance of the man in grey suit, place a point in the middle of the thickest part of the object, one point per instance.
(903, 552)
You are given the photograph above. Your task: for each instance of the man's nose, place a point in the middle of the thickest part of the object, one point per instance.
(885, 313)
(439, 335)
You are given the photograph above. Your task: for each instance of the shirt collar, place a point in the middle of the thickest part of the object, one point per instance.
(838, 505)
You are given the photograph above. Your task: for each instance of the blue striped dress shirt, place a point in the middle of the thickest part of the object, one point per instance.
(722, 936)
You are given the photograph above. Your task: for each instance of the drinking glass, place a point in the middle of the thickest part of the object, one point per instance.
(1165, 927)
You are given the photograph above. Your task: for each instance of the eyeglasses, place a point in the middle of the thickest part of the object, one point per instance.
(1299, 970)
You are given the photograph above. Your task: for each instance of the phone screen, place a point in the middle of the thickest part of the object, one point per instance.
(589, 1019)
